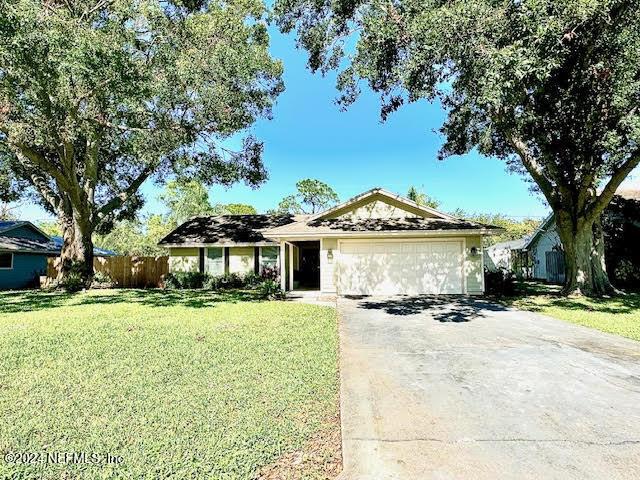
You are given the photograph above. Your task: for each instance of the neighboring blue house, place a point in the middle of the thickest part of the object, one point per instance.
(24, 250)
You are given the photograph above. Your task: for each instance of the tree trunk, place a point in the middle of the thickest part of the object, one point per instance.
(76, 257)
(583, 244)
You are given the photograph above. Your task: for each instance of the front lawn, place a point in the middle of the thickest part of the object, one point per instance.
(619, 315)
(179, 384)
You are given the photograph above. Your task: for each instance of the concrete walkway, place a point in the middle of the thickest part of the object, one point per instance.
(465, 389)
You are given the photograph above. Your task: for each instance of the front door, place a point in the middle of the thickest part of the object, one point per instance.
(306, 269)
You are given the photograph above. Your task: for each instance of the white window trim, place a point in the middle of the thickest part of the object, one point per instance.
(260, 257)
(11, 267)
(206, 258)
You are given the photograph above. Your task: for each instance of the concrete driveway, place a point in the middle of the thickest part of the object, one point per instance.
(465, 389)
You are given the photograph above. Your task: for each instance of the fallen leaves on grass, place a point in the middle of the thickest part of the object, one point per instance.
(319, 458)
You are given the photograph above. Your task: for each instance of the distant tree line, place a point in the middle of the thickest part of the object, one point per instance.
(183, 200)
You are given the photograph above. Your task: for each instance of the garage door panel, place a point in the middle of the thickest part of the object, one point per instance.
(412, 268)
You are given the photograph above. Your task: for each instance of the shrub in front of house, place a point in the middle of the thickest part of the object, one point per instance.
(271, 290)
(270, 273)
(500, 282)
(252, 280)
(226, 281)
(182, 280)
(264, 283)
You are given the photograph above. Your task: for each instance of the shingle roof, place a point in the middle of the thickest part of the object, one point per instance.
(517, 244)
(19, 244)
(230, 229)
(10, 224)
(98, 252)
(7, 223)
(53, 246)
(337, 225)
(226, 229)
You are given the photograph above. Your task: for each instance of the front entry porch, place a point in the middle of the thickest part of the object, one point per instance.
(300, 265)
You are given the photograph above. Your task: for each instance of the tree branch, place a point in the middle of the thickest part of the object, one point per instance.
(612, 185)
(47, 193)
(91, 167)
(533, 167)
(38, 160)
(124, 195)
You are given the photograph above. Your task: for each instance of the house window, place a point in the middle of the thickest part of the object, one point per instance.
(214, 264)
(269, 257)
(6, 261)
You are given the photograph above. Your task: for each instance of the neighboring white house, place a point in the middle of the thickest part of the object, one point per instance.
(545, 250)
(539, 256)
(377, 243)
(504, 255)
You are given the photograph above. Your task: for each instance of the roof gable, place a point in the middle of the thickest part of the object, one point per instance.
(22, 229)
(547, 224)
(379, 204)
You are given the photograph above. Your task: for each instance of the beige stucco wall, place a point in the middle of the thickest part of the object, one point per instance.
(327, 266)
(241, 259)
(379, 207)
(473, 266)
(183, 259)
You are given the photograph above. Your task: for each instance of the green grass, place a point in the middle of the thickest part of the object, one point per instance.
(181, 384)
(619, 315)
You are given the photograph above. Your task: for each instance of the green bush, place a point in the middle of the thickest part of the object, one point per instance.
(500, 283)
(102, 280)
(212, 282)
(271, 290)
(72, 282)
(252, 280)
(231, 280)
(181, 280)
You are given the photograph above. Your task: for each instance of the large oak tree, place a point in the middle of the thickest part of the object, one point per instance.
(552, 87)
(98, 96)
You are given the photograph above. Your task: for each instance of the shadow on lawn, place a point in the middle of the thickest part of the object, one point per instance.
(31, 300)
(456, 309)
(536, 297)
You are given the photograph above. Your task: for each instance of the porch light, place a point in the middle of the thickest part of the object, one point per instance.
(330, 254)
(474, 251)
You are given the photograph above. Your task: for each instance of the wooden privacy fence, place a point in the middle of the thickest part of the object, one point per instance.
(126, 272)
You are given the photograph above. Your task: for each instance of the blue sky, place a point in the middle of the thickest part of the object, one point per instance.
(309, 137)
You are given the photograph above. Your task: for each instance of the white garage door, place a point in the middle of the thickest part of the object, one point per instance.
(394, 267)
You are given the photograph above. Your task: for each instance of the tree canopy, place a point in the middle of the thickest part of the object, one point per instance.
(422, 198)
(182, 200)
(312, 196)
(550, 87)
(234, 209)
(139, 236)
(513, 229)
(98, 96)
